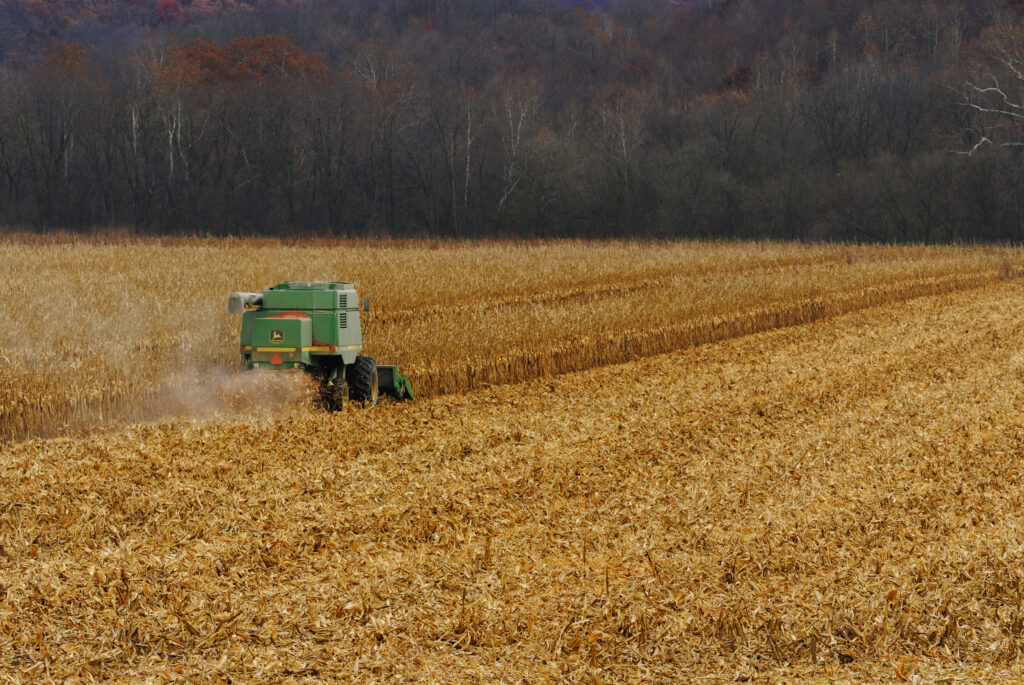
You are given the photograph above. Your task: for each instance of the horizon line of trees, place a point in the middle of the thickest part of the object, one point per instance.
(471, 119)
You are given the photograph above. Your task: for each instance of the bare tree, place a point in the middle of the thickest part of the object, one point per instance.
(12, 158)
(995, 95)
(456, 120)
(516, 112)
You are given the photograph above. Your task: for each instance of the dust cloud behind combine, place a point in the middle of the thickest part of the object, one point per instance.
(224, 394)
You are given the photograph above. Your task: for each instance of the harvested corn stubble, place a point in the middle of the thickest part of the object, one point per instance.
(837, 501)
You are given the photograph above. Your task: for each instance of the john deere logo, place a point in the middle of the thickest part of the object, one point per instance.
(276, 335)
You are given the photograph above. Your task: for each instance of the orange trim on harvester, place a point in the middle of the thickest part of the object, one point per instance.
(288, 315)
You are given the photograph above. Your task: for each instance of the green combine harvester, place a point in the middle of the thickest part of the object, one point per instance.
(314, 326)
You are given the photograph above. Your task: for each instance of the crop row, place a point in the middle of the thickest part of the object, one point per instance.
(96, 333)
(621, 346)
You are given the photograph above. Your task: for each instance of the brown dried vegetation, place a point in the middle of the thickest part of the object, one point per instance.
(838, 501)
(96, 332)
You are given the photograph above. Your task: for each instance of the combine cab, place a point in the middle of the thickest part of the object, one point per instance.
(314, 326)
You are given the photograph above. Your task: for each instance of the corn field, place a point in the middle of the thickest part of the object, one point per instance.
(97, 334)
(835, 502)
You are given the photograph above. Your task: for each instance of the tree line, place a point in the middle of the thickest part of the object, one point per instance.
(808, 120)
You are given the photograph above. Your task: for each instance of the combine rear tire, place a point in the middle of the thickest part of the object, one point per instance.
(362, 379)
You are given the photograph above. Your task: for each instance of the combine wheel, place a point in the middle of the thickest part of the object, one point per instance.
(362, 379)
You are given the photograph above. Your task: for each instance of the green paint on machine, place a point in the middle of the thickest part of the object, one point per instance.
(314, 326)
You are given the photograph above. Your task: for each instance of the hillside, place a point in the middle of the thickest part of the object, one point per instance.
(837, 120)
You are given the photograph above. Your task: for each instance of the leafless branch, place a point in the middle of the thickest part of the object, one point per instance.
(983, 140)
(967, 153)
(1002, 94)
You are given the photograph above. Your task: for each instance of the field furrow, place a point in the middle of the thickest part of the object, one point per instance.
(622, 285)
(580, 353)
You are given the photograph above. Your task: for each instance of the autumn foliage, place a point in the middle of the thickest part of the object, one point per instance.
(791, 119)
(244, 59)
(65, 57)
(170, 11)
